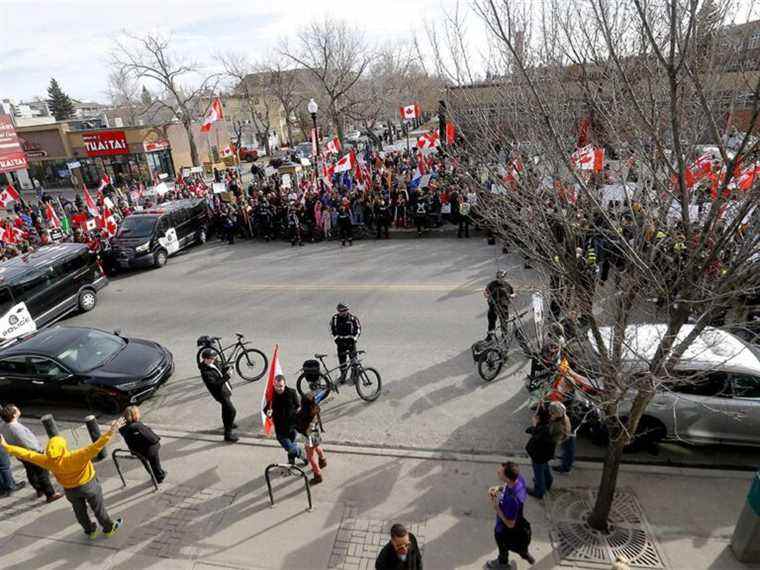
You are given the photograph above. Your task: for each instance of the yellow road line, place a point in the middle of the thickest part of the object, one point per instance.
(380, 287)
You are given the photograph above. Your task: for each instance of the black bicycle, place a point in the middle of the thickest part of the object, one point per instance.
(316, 377)
(492, 358)
(250, 363)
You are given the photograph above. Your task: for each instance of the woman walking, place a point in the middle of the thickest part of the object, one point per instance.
(309, 424)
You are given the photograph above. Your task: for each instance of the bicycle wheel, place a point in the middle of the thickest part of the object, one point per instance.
(217, 355)
(321, 385)
(368, 384)
(490, 364)
(251, 364)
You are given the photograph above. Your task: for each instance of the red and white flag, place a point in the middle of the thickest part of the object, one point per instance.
(328, 170)
(746, 178)
(107, 223)
(51, 217)
(8, 196)
(410, 112)
(9, 235)
(105, 181)
(214, 114)
(266, 398)
(333, 146)
(344, 164)
(588, 158)
(428, 140)
(92, 207)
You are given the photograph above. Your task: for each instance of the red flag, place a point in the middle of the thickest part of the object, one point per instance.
(214, 114)
(451, 133)
(107, 223)
(598, 160)
(344, 164)
(410, 112)
(105, 181)
(333, 146)
(8, 195)
(428, 140)
(9, 236)
(266, 398)
(52, 217)
(92, 207)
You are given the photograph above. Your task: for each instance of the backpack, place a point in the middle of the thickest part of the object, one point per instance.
(420, 208)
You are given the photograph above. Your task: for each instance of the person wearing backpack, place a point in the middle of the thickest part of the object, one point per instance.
(309, 424)
(420, 214)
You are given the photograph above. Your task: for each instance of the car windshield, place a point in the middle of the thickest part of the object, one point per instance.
(90, 350)
(137, 226)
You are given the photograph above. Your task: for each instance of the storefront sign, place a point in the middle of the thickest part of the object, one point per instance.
(105, 143)
(12, 156)
(155, 146)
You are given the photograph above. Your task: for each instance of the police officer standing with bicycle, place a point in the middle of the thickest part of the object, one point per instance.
(346, 330)
(218, 384)
(498, 294)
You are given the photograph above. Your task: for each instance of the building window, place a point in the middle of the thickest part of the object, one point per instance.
(754, 40)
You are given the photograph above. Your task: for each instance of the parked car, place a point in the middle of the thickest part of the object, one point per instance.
(150, 237)
(39, 288)
(83, 366)
(715, 395)
(303, 150)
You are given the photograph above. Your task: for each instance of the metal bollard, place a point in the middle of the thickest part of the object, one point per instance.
(94, 430)
(746, 539)
(48, 422)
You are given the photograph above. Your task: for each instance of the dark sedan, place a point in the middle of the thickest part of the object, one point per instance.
(83, 366)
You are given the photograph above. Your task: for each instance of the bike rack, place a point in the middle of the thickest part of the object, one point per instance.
(292, 470)
(126, 454)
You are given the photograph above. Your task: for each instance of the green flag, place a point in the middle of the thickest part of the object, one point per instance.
(65, 225)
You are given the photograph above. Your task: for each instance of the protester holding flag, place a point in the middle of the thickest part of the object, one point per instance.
(218, 384)
(281, 409)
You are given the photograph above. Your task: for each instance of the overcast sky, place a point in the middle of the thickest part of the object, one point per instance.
(70, 40)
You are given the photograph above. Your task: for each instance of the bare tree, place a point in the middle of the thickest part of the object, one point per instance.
(288, 87)
(337, 56)
(675, 239)
(253, 86)
(150, 57)
(124, 94)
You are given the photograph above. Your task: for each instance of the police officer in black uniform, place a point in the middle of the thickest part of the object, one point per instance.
(218, 383)
(382, 218)
(498, 294)
(346, 330)
(344, 225)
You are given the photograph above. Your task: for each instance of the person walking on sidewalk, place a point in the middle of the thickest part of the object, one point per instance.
(512, 532)
(309, 424)
(540, 448)
(76, 474)
(401, 552)
(282, 409)
(8, 484)
(566, 436)
(218, 384)
(18, 434)
(142, 441)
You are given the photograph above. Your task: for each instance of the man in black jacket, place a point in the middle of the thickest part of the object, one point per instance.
(282, 409)
(382, 218)
(346, 330)
(401, 552)
(218, 384)
(498, 294)
(344, 225)
(142, 440)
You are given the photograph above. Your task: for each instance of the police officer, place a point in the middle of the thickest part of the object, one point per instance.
(420, 214)
(498, 294)
(218, 383)
(344, 225)
(346, 330)
(294, 226)
(383, 218)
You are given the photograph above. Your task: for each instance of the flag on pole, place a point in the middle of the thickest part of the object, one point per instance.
(9, 236)
(410, 112)
(428, 140)
(105, 181)
(451, 133)
(92, 207)
(51, 217)
(8, 196)
(107, 222)
(214, 114)
(344, 164)
(588, 158)
(266, 398)
(333, 146)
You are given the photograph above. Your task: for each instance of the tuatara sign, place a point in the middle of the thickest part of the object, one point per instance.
(105, 143)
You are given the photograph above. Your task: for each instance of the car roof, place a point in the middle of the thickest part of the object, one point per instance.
(167, 207)
(50, 341)
(712, 349)
(21, 264)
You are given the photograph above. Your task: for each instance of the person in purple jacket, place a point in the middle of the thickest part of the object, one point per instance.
(512, 532)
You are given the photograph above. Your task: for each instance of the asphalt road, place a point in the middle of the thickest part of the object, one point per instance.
(421, 306)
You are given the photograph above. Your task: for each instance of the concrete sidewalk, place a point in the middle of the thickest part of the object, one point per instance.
(213, 511)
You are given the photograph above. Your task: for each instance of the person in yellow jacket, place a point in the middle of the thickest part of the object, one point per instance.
(76, 474)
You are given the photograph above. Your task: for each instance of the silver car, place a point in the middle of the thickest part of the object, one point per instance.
(715, 397)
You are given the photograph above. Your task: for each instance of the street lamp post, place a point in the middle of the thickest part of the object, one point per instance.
(312, 107)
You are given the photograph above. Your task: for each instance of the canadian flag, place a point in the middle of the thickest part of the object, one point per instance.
(421, 164)
(9, 235)
(8, 195)
(51, 217)
(410, 112)
(328, 170)
(428, 140)
(698, 169)
(214, 114)
(344, 164)
(107, 223)
(588, 158)
(266, 398)
(92, 207)
(746, 178)
(333, 146)
(105, 181)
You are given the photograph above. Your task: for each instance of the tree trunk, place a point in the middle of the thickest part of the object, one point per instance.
(618, 440)
(191, 141)
(289, 128)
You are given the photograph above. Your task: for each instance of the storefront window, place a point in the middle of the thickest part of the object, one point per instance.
(51, 173)
(161, 162)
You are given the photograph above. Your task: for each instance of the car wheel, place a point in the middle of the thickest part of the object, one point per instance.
(104, 403)
(649, 433)
(87, 300)
(160, 259)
